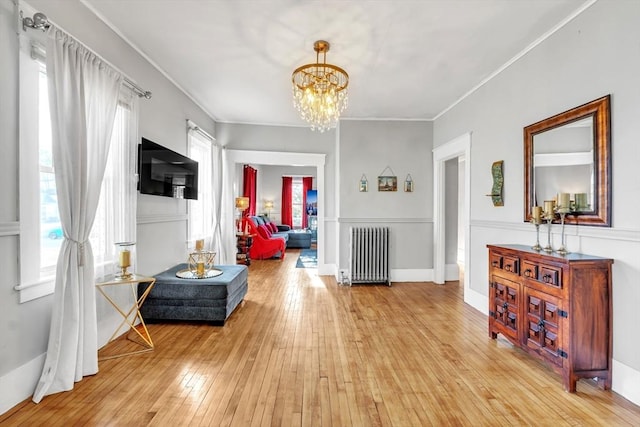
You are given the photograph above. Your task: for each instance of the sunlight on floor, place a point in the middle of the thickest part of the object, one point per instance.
(315, 281)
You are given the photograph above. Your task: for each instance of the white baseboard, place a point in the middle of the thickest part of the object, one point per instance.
(411, 275)
(476, 300)
(20, 383)
(625, 381)
(400, 274)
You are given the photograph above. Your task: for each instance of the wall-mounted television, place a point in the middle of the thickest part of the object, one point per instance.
(163, 172)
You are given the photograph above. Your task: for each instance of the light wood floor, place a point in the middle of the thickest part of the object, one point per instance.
(302, 350)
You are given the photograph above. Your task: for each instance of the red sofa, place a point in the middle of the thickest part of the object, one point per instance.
(264, 246)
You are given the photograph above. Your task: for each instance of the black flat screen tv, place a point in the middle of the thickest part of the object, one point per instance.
(163, 172)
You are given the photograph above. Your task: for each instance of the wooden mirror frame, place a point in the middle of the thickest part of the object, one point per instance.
(599, 109)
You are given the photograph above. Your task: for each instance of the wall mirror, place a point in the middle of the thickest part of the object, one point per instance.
(570, 153)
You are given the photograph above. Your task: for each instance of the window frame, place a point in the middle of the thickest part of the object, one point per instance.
(39, 282)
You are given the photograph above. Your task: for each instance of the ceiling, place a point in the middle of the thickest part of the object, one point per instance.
(406, 59)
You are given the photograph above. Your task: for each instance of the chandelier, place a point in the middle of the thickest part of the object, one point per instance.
(320, 90)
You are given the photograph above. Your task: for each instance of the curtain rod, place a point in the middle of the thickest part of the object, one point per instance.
(41, 22)
(194, 127)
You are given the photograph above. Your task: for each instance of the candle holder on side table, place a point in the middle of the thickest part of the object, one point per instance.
(124, 259)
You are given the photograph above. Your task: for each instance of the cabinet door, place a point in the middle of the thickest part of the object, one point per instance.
(504, 308)
(543, 325)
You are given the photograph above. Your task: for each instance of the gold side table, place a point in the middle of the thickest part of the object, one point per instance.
(133, 313)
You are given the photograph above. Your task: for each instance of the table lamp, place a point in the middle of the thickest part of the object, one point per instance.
(268, 205)
(242, 203)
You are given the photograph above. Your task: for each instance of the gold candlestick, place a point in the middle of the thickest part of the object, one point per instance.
(562, 249)
(536, 221)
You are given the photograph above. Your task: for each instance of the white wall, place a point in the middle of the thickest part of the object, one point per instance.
(594, 55)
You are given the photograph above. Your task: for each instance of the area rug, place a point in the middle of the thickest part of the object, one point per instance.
(308, 259)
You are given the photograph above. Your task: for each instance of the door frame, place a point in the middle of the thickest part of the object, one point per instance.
(457, 147)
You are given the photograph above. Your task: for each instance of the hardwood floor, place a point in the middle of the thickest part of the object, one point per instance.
(302, 350)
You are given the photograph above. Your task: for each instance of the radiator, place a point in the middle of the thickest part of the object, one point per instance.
(369, 255)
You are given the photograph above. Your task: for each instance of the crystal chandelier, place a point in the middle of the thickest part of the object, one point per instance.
(320, 90)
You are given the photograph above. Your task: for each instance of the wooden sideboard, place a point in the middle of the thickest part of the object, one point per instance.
(555, 307)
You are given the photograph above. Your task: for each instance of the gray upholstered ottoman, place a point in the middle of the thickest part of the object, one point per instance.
(210, 300)
(299, 239)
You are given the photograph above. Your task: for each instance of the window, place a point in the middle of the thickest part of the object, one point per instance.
(41, 233)
(40, 229)
(296, 202)
(115, 215)
(201, 210)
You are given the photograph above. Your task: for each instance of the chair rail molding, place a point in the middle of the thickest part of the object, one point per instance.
(9, 228)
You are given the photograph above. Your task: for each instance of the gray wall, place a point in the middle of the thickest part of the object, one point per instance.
(368, 147)
(451, 211)
(594, 55)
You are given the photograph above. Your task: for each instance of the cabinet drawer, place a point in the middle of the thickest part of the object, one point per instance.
(495, 260)
(530, 270)
(511, 264)
(550, 275)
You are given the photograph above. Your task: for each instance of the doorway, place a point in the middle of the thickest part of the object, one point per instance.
(240, 157)
(458, 148)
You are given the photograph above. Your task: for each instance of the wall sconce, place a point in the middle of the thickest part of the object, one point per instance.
(408, 184)
(364, 184)
(268, 205)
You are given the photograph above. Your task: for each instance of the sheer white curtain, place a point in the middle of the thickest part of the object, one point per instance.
(115, 219)
(83, 94)
(201, 212)
(207, 215)
(224, 241)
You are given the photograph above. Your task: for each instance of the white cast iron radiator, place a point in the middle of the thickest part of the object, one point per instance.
(369, 255)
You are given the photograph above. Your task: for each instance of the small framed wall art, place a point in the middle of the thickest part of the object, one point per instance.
(408, 184)
(387, 183)
(364, 185)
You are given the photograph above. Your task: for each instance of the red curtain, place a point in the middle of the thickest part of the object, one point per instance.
(287, 211)
(307, 184)
(249, 189)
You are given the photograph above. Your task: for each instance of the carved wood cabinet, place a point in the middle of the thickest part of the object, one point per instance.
(556, 308)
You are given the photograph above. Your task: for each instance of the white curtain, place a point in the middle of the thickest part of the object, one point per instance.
(115, 219)
(207, 215)
(201, 211)
(227, 210)
(223, 233)
(83, 95)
